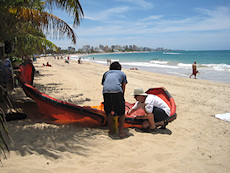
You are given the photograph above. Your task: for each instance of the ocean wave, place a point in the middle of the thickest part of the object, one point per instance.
(158, 62)
(182, 65)
(133, 64)
(217, 67)
(171, 53)
(146, 64)
(178, 74)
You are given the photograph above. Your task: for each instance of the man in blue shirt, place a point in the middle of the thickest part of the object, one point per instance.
(114, 82)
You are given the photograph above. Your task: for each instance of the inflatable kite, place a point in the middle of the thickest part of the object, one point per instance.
(64, 112)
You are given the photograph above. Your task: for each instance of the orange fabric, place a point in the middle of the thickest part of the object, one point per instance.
(63, 112)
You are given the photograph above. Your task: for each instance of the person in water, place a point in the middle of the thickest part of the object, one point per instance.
(156, 110)
(114, 82)
(194, 70)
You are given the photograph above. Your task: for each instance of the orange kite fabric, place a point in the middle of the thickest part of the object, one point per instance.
(64, 112)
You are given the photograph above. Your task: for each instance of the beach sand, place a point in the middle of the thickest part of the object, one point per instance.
(195, 142)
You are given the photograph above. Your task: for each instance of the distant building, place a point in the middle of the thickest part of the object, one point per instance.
(117, 48)
(86, 48)
(96, 49)
(159, 49)
(135, 47)
(101, 47)
(106, 48)
(130, 47)
(71, 49)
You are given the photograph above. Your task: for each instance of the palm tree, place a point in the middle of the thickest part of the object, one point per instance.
(17, 15)
(23, 23)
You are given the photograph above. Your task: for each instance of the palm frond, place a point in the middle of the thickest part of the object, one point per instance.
(42, 41)
(72, 7)
(47, 21)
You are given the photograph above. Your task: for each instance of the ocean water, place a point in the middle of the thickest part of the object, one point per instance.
(212, 65)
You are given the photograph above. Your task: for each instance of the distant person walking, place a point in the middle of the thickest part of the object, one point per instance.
(114, 82)
(194, 70)
(108, 61)
(79, 61)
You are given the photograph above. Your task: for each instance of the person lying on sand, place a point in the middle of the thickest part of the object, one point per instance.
(47, 64)
(134, 68)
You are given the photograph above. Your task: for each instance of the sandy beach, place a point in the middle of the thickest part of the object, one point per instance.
(195, 142)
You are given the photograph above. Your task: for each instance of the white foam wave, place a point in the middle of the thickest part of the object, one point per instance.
(158, 62)
(75, 56)
(182, 65)
(100, 62)
(218, 67)
(178, 74)
(146, 64)
(112, 60)
(171, 53)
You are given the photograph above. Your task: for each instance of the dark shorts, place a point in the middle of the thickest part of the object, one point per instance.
(159, 114)
(194, 72)
(114, 102)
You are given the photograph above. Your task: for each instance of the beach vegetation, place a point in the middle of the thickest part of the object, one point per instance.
(23, 29)
(24, 24)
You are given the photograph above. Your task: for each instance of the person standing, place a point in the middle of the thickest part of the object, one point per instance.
(114, 82)
(194, 70)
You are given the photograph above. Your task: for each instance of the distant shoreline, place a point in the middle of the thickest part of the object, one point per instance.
(182, 69)
(170, 64)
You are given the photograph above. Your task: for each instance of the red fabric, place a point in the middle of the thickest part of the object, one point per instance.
(26, 72)
(64, 112)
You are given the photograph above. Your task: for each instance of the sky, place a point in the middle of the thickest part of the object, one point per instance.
(171, 24)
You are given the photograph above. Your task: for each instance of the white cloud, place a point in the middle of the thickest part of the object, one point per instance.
(139, 3)
(112, 26)
(150, 18)
(207, 22)
(107, 14)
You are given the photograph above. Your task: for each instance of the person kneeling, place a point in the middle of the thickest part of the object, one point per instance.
(156, 110)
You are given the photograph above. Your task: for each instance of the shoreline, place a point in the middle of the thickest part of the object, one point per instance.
(210, 75)
(155, 71)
